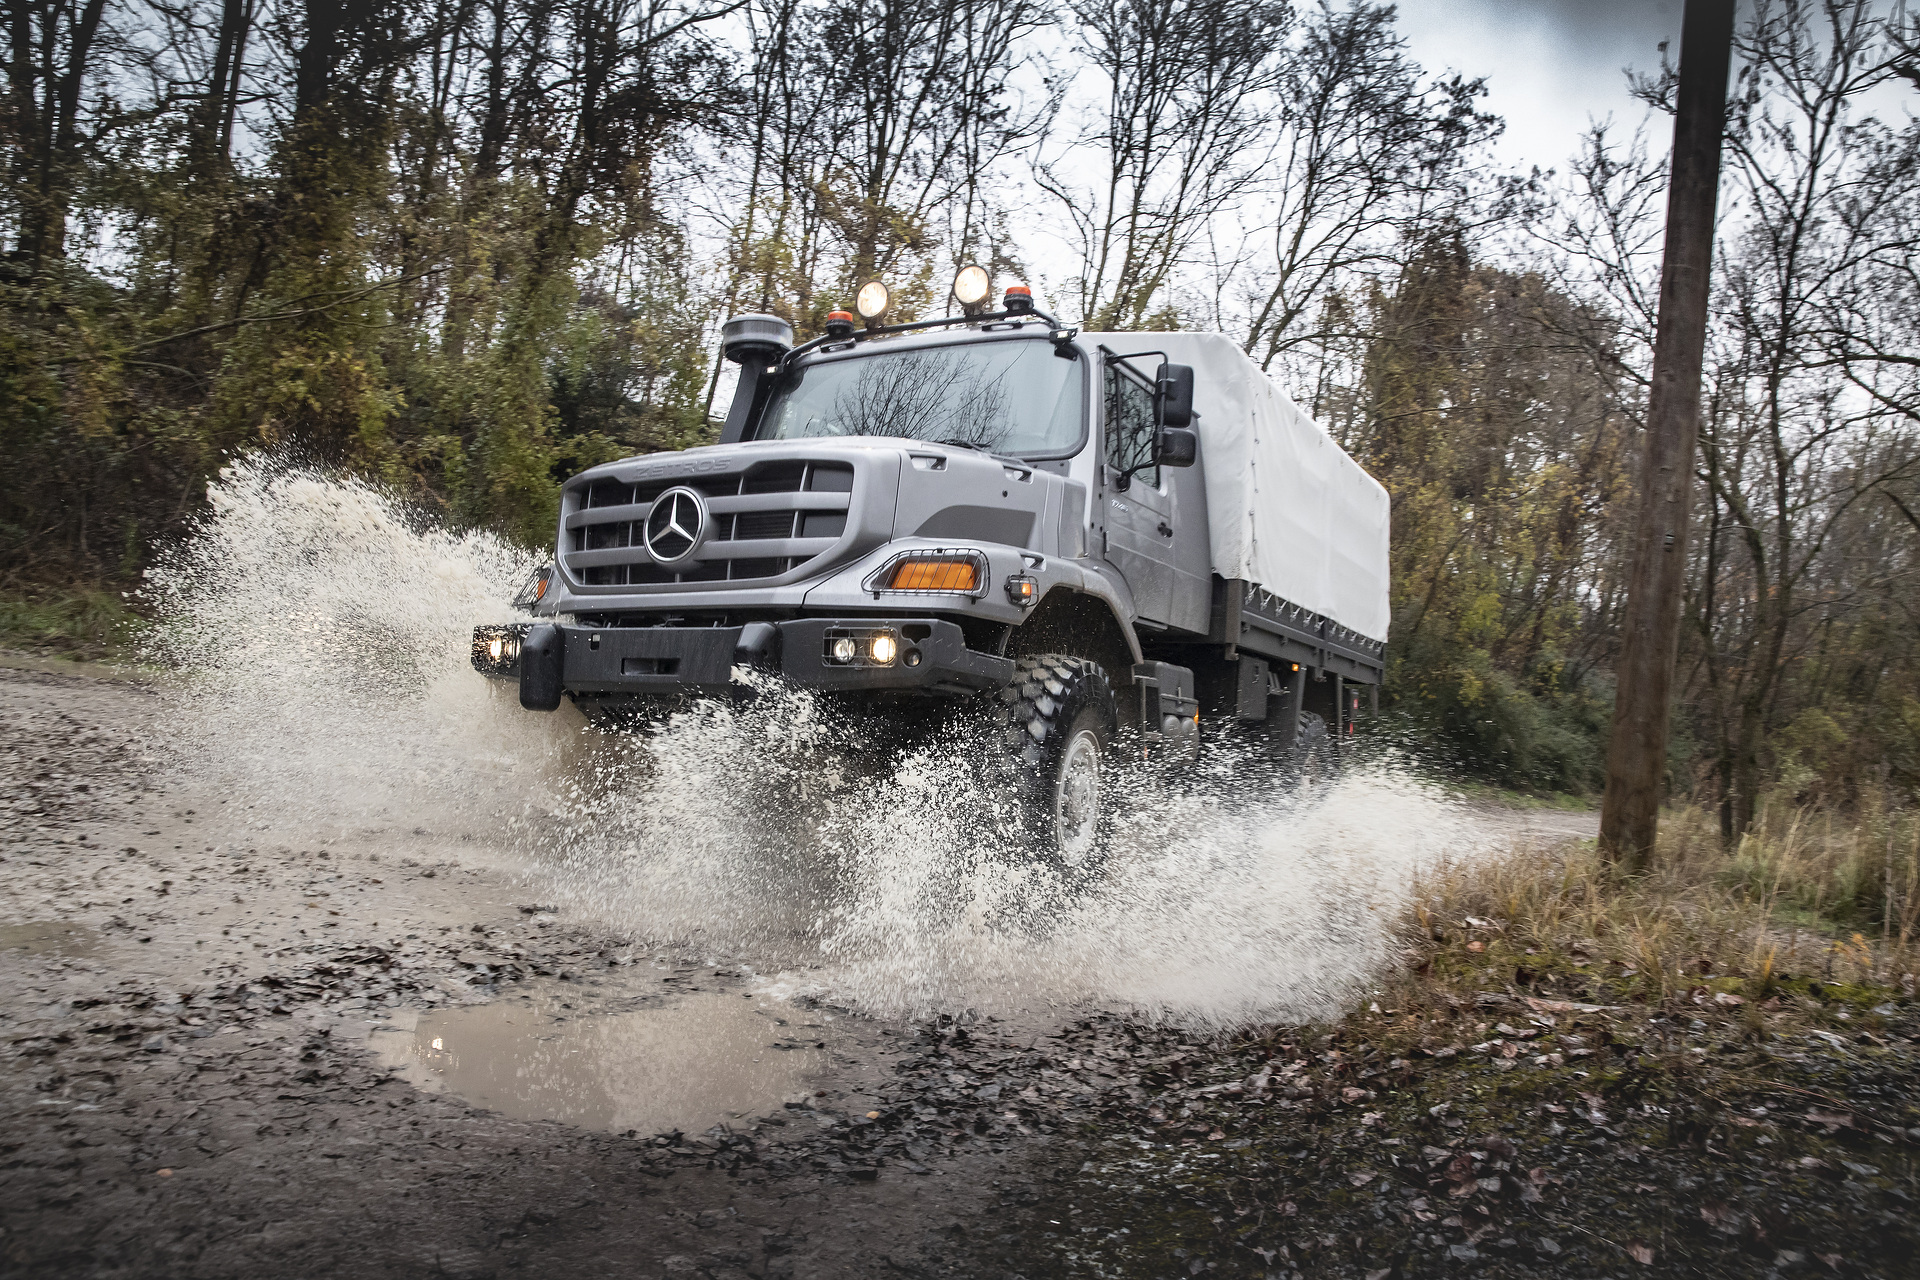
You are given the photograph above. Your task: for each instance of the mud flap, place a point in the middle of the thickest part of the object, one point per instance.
(542, 658)
(1250, 695)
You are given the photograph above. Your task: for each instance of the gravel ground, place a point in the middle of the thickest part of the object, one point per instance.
(189, 1092)
(187, 1089)
(1565, 1143)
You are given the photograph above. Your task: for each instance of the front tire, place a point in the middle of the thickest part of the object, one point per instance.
(1057, 721)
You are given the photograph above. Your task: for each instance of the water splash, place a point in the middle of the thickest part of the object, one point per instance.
(320, 631)
(1233, 895)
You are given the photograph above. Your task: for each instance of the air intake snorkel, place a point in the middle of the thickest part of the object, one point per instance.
(757, 343)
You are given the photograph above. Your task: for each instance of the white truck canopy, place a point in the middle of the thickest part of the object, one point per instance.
(1288, 509)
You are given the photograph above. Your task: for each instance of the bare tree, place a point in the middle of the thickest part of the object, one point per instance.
(1185, 133)
(50, 44)
(1365, 156)
(1802, 427)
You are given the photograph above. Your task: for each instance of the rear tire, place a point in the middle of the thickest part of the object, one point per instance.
(1056, 723)
(1313, 729)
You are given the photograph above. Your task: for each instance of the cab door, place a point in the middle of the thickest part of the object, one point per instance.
(1139, 519)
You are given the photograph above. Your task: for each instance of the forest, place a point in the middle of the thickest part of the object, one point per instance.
(465, 248)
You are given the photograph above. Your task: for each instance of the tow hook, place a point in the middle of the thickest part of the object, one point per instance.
(542, 654)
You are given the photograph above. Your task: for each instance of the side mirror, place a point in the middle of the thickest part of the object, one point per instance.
(1173, 395)
(1178, 447)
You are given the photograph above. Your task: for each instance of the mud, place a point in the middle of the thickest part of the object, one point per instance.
(189, 1090)
(267, 1042)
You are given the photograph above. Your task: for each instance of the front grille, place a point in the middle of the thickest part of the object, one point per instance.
(763, 521)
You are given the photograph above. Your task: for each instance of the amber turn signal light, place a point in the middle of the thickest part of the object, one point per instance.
(935, 575)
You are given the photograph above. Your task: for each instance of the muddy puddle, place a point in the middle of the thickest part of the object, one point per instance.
(49, 937)
(708, 1058)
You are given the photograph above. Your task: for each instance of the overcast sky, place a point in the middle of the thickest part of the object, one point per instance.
(1550, 64)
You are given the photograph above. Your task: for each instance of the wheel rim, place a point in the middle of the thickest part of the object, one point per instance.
(1076, 803)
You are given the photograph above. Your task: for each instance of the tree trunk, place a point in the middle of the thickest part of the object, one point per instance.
(49, 131)
(1637, 755)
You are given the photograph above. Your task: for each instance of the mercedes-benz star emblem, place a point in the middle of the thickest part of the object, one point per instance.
(675, 524)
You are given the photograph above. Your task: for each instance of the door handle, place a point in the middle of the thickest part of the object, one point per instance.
(1165, 532)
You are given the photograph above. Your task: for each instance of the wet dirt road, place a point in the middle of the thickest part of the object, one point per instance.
(342, 1053)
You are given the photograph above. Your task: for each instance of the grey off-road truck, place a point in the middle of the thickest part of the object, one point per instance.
(1095, 537)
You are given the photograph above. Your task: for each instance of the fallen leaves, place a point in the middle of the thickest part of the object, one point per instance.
(1570, 1006)
(1722, 1217)
(1462, 1172)
(1833, 1121)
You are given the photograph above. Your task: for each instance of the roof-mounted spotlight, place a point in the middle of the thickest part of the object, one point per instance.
(839, 324)
(971, 287)
(1019, 300)
(871, 301)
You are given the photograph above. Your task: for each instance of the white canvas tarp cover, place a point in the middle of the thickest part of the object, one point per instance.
(1288, 509)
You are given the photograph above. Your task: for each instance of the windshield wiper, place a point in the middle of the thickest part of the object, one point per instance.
(963, 444)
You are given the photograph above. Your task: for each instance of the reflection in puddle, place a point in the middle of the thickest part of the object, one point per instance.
(713, 1057)
(55, 936)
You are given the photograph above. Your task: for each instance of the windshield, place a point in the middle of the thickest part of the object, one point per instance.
(1017, 398)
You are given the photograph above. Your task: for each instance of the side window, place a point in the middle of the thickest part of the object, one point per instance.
(1129, 426)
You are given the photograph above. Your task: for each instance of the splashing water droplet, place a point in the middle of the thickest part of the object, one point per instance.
(319, 630)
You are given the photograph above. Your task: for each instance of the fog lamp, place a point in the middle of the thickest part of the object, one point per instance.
(871, 301)
(844, 649)
(495, 647)
(971, 285)
(882, 648)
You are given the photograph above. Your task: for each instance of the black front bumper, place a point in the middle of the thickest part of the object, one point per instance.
(551, 661)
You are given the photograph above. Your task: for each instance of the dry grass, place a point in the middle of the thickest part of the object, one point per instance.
(1809, 905)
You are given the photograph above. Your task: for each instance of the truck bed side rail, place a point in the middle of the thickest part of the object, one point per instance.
(1254, 619)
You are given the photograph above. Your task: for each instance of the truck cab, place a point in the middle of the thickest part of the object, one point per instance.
(990, 506)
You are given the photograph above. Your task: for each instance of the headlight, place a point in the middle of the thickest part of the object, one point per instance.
(496, 650)
(862, 647)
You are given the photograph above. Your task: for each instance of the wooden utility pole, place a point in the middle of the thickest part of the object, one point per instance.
(1637, 755)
